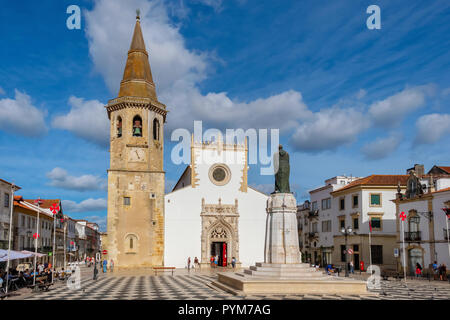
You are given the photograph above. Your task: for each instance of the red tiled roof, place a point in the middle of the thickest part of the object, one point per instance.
(446, 169)
(377, 180)
(46, 203)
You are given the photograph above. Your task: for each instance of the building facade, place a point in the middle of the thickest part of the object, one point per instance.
(319, 223)
(212, 211)
(135, 235)
(424, 229)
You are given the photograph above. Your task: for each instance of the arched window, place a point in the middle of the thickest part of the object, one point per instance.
(119, 127)
(131, 243)
(155, 129)
(137, 126)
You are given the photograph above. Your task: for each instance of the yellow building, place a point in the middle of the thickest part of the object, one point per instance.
(135, 236)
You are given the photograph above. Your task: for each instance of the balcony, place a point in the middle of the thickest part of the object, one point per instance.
(313, 234)
(413, 236)
(313, 214)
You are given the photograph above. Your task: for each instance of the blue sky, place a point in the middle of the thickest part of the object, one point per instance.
(348, 100)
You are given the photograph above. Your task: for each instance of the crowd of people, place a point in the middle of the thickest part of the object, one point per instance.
(19, 279)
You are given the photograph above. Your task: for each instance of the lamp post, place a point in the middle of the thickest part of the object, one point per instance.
(346, 232)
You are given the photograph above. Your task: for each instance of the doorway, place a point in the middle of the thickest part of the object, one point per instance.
(415, 256)
(220, 249)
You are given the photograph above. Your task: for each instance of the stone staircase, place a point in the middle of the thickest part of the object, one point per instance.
(298, 271)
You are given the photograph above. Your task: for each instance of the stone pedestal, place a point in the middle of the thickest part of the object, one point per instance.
(282, 271)
(281, 230)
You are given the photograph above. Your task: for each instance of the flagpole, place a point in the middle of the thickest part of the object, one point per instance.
(53, 253)
(10, 231)
(370, 243)
(448, 239)
(36, 240)
(404, 254)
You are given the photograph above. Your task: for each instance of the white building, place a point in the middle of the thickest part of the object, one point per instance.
(425, 225)
(5, 211)
(213, 211)
(319, 223)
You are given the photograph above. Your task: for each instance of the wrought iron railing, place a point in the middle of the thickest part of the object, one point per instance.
(413, 236)
(313, 213)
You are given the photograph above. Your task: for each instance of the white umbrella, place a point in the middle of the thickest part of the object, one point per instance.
(13, 255)
(39, 255)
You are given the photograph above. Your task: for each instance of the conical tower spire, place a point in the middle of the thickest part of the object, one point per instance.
(137, 78)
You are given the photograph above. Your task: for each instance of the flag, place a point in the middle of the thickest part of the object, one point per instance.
(370, 226)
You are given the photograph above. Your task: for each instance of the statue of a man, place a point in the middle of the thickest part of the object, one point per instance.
(282, 175)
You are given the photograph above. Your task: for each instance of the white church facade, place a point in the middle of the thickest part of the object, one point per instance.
(212, 210)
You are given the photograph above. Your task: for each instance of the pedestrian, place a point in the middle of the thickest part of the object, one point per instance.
(105, 265)
(435, 270)
(418, 270)
(95, 272)
(442, 271)
(212, 261)
(189, 263)
(233, 262)
(352, 267)
(41, 268)
(111, 265)
(196, 262)
(216, 261)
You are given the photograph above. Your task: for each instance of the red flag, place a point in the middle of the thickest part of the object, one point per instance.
(370, 226)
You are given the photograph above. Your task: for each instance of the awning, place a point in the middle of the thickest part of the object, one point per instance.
(13, 255)
(32, 253)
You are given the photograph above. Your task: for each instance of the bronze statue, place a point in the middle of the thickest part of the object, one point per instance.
(282, 175)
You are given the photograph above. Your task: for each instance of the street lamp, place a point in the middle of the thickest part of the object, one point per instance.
(346, 232)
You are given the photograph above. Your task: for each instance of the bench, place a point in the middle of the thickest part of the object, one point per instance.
(4, 295)
(156, 269)
(385, 274)
(40, 286)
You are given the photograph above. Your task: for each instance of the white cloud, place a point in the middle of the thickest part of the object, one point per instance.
(177, 71)
(215, 4)
(19, 116)
(391, 111)
(60, 178)
(432, 127)
(381, 147)
(329, 129)
(87, 205)
(86, 119)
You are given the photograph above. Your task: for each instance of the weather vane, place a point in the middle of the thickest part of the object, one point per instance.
(138, 12)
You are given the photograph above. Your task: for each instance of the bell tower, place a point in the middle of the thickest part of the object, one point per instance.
(135, 236)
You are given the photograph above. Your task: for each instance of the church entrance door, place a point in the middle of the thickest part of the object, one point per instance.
(220, 249)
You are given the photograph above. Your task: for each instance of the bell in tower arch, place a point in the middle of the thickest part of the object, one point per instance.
(137, 127)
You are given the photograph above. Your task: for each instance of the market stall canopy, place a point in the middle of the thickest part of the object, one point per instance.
(32, 253)
(13, 255)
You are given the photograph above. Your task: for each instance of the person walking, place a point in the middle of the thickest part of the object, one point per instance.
(189, 263)
(233, 262)
(352, 267)
(212, 261)
(418, 270)
(196, 263)
(435, 270)
(442, 271)
(216, 261)
(111, 265)
(105, 265)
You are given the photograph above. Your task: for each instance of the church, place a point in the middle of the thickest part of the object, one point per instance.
(211, 210)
